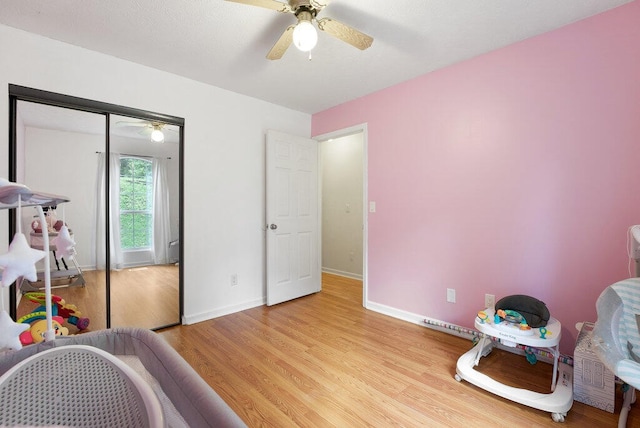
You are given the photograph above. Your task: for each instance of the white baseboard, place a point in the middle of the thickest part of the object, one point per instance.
(205, 316)
(342, 273)
(414, 319)
(453, 330)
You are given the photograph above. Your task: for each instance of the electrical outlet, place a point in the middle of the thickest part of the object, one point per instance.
(451, 295)
(234, 279)
(489, 300)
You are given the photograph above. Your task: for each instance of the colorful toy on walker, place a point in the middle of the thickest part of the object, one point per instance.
(511, 317)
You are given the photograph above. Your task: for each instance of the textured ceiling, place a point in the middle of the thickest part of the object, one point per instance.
(224, 44)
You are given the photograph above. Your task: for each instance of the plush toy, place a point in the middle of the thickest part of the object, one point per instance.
(10, 332)
(51, 219)
(35, 333)
(20, 261)
(53, 224)
(73, 315)
(64, 244)
(58, 308)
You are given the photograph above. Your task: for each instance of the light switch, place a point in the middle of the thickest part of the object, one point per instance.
(372, 207)
(347, 208)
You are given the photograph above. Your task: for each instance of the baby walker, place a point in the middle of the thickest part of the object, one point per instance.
(511, 328)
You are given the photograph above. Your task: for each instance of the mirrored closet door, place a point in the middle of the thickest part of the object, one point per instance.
(145, 222)
(125, 209)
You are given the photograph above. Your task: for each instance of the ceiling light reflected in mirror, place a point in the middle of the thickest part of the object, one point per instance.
(154, 132)
(157, 136)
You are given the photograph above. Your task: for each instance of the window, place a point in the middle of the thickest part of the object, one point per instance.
(136, 203)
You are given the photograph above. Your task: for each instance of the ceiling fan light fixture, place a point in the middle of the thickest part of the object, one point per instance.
(157, 136)
(305, 36)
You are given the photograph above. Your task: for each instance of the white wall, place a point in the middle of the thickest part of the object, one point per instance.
(342, 196)
(65, 163)
(224, 157)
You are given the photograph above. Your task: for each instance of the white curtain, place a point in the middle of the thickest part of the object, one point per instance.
(114, 218)
(161, 215)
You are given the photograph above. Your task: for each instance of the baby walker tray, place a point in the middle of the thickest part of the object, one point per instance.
(558, 402)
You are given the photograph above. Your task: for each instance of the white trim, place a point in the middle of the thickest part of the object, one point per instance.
(365, 196)
(228, 310)
(342, 273)
(460, 332)
(396, 313)
(413, 318)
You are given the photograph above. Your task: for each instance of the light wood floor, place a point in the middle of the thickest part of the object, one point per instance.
(145, 297)
(323, 360)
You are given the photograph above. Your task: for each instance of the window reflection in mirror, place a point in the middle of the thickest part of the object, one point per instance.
(145, 222)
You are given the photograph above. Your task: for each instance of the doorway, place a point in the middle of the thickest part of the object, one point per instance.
(343, 195)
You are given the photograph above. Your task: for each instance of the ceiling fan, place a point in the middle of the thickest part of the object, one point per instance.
(303, 34)
(155, 130)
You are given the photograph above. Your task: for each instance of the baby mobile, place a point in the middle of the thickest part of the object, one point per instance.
(18, 262)
(64, 243)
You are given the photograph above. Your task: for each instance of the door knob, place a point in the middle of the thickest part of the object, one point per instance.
(273, 226)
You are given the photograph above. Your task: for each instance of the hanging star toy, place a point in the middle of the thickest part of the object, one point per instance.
(20, 261)
(64, 244)
(10, 332)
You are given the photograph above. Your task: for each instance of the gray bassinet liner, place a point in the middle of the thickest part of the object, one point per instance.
(198, 404)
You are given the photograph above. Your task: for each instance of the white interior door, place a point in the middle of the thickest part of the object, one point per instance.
(293, 226)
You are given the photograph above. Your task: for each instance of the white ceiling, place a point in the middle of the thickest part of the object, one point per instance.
(224, 43)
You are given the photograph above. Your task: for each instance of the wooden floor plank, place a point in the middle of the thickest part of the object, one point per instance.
(324, 360)
(145, 297)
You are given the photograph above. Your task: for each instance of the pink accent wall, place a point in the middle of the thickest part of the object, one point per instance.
(516, 172)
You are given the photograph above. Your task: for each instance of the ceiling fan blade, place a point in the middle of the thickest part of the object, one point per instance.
(319, 4)
(267, 4)
(345, 33)
(282, 44)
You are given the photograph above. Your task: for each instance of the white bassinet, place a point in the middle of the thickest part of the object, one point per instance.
(186, 399)
(114, 377)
